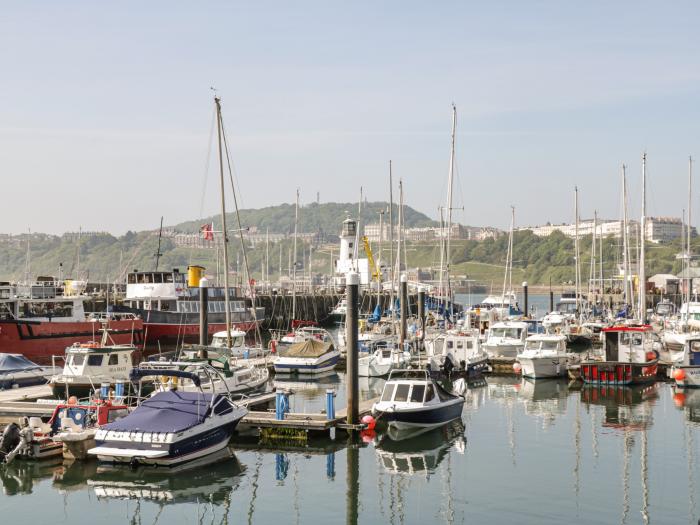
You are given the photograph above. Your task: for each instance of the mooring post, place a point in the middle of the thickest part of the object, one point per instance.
(403, 294)
(330, 404)
(203, 319)
(352, 284)
(421, 315)
(551, 301)
(352, 479)
(525, 302)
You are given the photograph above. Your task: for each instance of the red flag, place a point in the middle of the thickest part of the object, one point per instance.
(207, 232)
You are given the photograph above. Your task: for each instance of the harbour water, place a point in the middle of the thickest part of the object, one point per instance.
(524, 452)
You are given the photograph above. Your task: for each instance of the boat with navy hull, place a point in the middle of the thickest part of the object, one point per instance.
(412, 398)
(170, 428)
(308, 357)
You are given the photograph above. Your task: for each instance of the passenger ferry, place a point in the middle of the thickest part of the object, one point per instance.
(168, 303)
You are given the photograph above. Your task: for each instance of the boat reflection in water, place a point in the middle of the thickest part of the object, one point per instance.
(19, 476)
(626, 407)
(544, 398)
(308, 388)
(419, 450)
(688, 400)
(211, 481)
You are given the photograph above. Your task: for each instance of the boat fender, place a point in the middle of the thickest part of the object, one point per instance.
(273, 346)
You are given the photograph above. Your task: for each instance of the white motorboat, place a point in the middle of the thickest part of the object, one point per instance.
(544, 356)
(385, 357)
(411, 398)
(307, 333)
(458, 351)
(170, 428)
(686, 371)
(506, 339)
(307, 357)
(17, 371)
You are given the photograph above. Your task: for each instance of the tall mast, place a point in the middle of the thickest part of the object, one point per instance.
(689, 227)
(267, 257)
(592, 271)
(80, 232)
(507, 278)
(378, 262)
(294, 258)
(391, 242)
(399, 235)
(442, 256)
(450, 183)
(224, 230)
(358, 237)
(625, 251)
(576, 253)
(642, 251)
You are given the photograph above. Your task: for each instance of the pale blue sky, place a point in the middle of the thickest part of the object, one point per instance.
(106, 107)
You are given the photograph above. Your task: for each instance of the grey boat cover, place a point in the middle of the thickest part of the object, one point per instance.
(308, 348)
(172, 411)
(15, 363)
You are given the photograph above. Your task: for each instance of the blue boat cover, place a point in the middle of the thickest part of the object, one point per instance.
(172, 411)
(15, 363)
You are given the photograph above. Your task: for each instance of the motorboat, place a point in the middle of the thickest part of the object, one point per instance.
(89, 365)
(215, 375)
(412, 398)
(385, 357)
(311, 356)
(544, 356)
(69, 432)
(504, 306)
(17, 371)
(459, 352)
(630, 355)
(306, 333)
(237, 349)
(340, 310)
(686, 371)
(506, 339)
(169, 428)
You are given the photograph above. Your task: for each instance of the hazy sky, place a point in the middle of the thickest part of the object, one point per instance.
(106, 108)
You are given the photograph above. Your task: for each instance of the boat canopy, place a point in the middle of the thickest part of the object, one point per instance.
(137, 373)
(15, 363)
(308, 348)
(172, 411)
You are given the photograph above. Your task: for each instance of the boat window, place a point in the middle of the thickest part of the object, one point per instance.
(116, 414)
(550, 345)
(168, 278)
(417, 393)
(222, 407)
(157, 277)
(460, 344)
(139, 278)
(113, 359)
(386, 353)
(388, 392)
(695, 346)
(132, 278)
(402, 392)
(78, 360)
(624, 338)
(469, 345)
(429, 394)
(450, 345)
(95, 360)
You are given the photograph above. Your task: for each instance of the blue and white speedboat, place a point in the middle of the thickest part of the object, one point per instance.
(308, 357)
(411, 398)
(171, 427)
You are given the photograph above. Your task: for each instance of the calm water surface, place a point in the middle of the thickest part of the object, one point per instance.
(524, 452)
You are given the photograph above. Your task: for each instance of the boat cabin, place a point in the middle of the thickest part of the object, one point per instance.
(92, 360)
(508, 331)
(410, 386)
(630, 344)
(546, 342)
(219, 339)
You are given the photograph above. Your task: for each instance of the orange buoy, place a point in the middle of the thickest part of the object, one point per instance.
(517, 368)
(679, 374)
(273, 346)
(72, 400)
(369, 421)
(679, 399)
(651, 356)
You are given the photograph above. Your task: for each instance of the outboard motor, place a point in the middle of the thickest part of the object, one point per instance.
(9, 440)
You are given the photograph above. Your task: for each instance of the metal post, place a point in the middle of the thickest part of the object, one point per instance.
(421, 315)
(352, 488)
(352, 282)
(330, 404)
(404, 309)
(203, 318)
(525, 301)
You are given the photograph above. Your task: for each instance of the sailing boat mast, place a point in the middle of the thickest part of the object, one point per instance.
(294, 258)
(689, 228)
(625, 252)
(391, 243)
(642, 251)
(224, 230)
(577, 254)
(507, 277)
(450, 183)
(158, 255)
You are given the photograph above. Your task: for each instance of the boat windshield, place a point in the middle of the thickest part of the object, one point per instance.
(550, 345)
(664, 309)
(507, 333)
(567, 308)
(388, 392)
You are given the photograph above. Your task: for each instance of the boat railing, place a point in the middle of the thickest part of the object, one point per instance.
(406, 373)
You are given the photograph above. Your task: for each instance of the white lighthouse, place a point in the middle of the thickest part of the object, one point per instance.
(348, 259)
